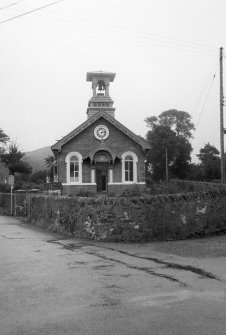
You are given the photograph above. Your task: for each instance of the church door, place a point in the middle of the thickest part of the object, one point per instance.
(102, 177)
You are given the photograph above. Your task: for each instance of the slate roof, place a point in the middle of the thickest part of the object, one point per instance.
(138, 139)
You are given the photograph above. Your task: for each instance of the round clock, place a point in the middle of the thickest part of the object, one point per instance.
(101, 132)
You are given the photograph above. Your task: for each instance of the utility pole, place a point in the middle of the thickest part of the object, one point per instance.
(222, 129)
(167, 174)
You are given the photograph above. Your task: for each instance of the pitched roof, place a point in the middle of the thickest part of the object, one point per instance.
(138, 139)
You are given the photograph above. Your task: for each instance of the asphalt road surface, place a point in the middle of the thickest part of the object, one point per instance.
(52, 284)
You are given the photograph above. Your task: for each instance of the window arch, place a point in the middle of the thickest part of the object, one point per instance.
(129, 167)
(73, 168)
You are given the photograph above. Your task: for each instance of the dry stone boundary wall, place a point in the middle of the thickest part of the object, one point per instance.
(143, 218)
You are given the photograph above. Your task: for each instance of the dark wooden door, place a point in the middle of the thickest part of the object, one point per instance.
(102, 177)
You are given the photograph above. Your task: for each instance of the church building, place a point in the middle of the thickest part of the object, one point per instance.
(101, 155)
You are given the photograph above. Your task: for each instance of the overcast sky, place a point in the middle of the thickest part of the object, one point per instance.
(165, 54)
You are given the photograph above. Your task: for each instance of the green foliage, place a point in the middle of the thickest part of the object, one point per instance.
(3, 140)
(210, 162)
(4, 188)
(181, 166)
(12, 159)
(178, 121)
(49, 162)
(38, 177)
(170, 132)
(84, 194)
(131, 192)
(26, 185)
(208, 153)
(196, 172)
(160, 138)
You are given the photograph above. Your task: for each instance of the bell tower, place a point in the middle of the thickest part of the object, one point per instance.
(100, 101)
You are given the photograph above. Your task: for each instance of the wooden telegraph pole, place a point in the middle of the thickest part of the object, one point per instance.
(167, 173)
(222, 129)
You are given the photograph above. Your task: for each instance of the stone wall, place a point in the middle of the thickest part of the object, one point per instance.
(132, 219)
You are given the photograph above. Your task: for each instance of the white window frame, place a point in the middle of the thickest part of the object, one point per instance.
(67, 161)
(135, 161)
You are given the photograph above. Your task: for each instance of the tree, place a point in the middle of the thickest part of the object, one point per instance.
(160, 138)
(183, 149)
(178, 121)
(210, 161)
(171, 130)
(39, 177)
(3, 140)
(12, 159)
(49, 162)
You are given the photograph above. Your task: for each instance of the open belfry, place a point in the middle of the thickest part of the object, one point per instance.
(101, 155)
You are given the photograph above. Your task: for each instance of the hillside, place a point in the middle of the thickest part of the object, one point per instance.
(36, 158)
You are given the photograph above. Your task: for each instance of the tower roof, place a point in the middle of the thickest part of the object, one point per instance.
(95, 74)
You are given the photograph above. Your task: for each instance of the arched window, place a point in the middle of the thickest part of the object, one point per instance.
(129, 167)
(74, 168)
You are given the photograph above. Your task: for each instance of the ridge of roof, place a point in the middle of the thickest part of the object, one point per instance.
(142, 142)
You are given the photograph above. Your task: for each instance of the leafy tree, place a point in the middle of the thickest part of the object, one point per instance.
(12, 159)
(38, 177)
(183, 149)
(49, 162)
(210, 162)
(3, 140)
(195, 172)
(160, 138)
(178, 121)
(208, 153)
(171, 130)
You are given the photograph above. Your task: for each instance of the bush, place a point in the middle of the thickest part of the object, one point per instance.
(5, 188)
(134, 191)
(84, 194)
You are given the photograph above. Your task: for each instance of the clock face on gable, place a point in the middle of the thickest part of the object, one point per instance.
(101, 132)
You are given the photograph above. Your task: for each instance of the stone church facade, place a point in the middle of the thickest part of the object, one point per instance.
(101, 155)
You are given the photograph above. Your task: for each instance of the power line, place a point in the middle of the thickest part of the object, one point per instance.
(30, 11)
(139, 35)
(127, 33)
(205, 101)
(11, 4)
(214, 69)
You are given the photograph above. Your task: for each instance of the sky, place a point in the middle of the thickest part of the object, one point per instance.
(165, 54)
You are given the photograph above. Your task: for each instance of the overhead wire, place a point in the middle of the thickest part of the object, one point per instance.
(128, 33)
(11, 4)
(205, 101)
(30, 11)
(139, 35)
(205, 86)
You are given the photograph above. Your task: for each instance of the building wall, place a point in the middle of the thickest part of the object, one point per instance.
(86, 142)
(80, 189)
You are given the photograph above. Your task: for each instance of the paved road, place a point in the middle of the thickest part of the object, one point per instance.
(55, 285)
